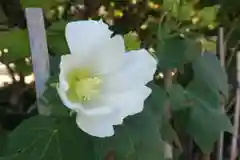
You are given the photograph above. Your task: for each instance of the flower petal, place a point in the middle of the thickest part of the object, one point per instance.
(69, 62)
(138, 70)
(83, 36)
(127, 103)
(86, 109)
(109, 56)
(98, 126)
(92, 40)
(66, 102)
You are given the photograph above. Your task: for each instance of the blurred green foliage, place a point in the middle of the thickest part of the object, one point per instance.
(175, 31)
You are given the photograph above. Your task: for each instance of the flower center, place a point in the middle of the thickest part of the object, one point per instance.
(82, 87)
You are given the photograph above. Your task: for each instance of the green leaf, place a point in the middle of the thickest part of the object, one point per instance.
(157, 1)
(3, 17)
(208, 45)
(197, 89)
(206, 124)
(131, 41)
(180, 120)
(17, 43)
(45, 4)
(193, 51)
(56, 38)
(78, 1)
(181, 10)
(177, 97)
(205, 120)
(23, 67)
(3, 141)
(51, 99)
(208, 15)
(208, 69)
(168, 4)
(49, 138)
(172, 6)
(177, 153)
(184, 51)
(54, 66)
(169, 56)
(157, 99)
(186, 11)
(163, 31)
(138, 137)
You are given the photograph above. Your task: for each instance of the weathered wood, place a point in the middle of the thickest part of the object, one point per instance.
(39, 52)
(221, 52)
(234, 147)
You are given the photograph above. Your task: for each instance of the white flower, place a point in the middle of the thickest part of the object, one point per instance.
(99, 81)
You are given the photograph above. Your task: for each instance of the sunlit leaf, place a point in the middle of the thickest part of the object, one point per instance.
(172, 6)
(186, 11)
(131, 41)
(208, 15)
(209, 45)
(45, 4)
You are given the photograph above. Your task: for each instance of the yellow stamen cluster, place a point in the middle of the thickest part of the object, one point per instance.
(82, 86)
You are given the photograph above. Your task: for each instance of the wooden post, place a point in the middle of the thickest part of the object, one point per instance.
(221, 52)
(234, 147)
(39, 53)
